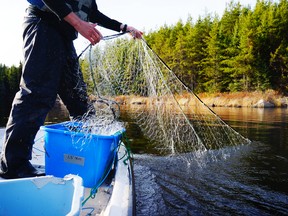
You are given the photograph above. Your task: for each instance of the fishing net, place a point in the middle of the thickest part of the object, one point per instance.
(128, 74)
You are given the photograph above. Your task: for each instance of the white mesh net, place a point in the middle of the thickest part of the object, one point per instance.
(170, 115)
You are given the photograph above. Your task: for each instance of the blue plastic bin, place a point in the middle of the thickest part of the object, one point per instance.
(72, 152)
(45, 196)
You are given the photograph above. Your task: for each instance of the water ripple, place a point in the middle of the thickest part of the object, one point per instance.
(235, 186)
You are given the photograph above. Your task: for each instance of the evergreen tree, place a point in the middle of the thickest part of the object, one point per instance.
(242, 64)
(196, 45)
(279, 54)
(212, 71)
(9, 85)
(3, 107)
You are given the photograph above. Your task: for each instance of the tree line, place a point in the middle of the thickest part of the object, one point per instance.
(244, 50)
(9, 85)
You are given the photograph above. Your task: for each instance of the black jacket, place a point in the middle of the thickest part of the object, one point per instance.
(60, 10)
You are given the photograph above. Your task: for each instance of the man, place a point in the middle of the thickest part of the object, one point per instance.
(50, 67)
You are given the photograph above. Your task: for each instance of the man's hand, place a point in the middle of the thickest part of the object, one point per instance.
(134, 32)
(86, 29)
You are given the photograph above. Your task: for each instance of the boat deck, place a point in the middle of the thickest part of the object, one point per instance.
(114, 197)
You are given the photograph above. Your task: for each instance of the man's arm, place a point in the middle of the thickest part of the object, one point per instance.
(86, 29)
(107, 22)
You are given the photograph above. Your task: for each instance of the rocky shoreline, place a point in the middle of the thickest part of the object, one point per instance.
(267, 99)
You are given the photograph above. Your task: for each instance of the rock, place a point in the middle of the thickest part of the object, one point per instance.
(284, 102)
(264, 104)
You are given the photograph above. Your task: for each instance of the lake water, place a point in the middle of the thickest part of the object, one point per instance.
(253, 180)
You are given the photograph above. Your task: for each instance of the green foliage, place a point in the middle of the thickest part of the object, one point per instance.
(9, 85)
(244, 50)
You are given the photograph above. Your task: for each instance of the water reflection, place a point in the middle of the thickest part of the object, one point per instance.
(59, 113)
(266, 125)
(257, 115)
(269, 126)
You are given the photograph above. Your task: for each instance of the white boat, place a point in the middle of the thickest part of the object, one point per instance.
(69, 194)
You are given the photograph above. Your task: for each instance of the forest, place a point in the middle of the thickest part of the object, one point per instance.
(246, 49)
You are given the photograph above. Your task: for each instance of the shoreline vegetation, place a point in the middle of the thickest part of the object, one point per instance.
(267, 99)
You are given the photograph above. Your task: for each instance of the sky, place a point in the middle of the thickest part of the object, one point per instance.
(144, 15)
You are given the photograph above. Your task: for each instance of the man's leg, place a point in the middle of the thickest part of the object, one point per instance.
(45, 55)
(73, 89)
